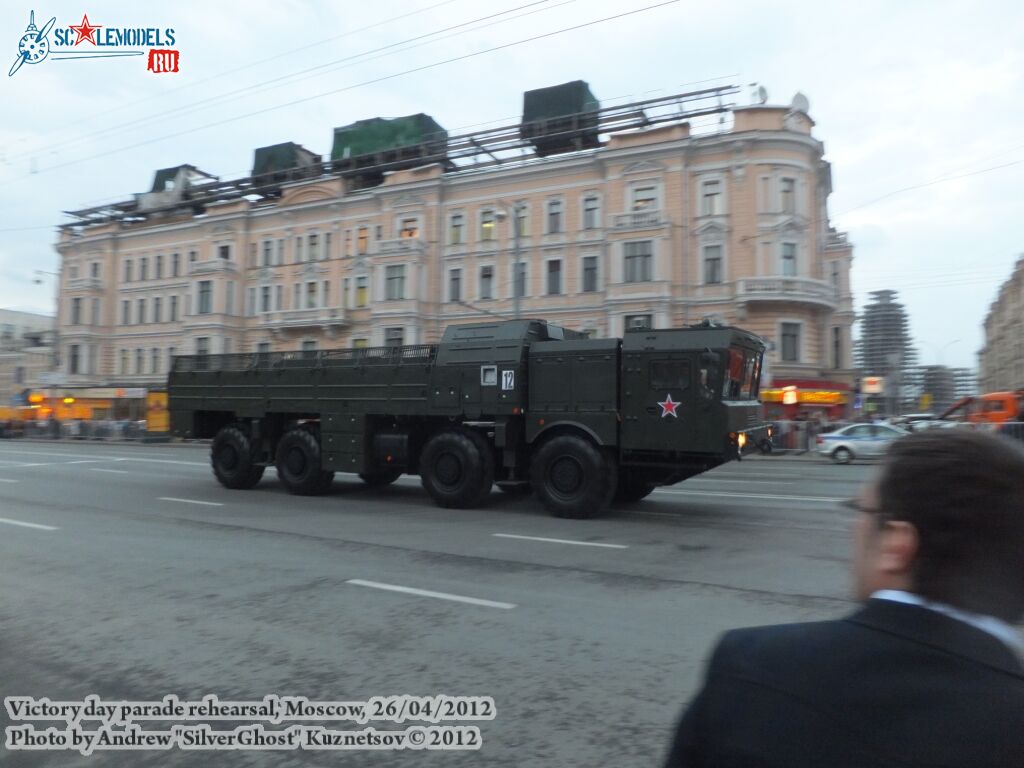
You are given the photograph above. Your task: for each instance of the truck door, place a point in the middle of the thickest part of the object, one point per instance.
(658, 401)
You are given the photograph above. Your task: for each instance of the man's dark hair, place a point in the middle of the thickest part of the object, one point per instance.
(963, 490)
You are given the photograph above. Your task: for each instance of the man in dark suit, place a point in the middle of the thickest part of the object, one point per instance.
(929, 672)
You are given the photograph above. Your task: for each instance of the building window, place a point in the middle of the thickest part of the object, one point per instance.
(297, 256)
(171, 352)
(554, 277)
(157, 310)
(202, 346)
(362, 291)
(589, 274)
(154, 360)
(140, 316)
(139, 361)
(174, 309)
(205, 297)
(519, 279)
(268, 253)
(635, 322)
(711, 198)
(265, 298)
(360, 343)
(455, 230)
(487, 226)
(787, 195)
(554, 217)
(192, 256)
(128, 270)
(94, 269)
(789, 260)
(73, 359)
(455, 285)
(325, 293)
(95, 311)
(486, 282)
(791, 342)
(278, 297)
(378, 232)
(143, 268)
(834, 276)
(73, 271)
(712, 264)
(645, 198)
(309, 348)
(637, 261)
(394, 337)
(311, 294)
(279, 259)
(76, 311)
(362, 240)
(410, 229)
(837, 348)
(263, 348)
(314, 247)
(126, 309)
(522, 219)
(175, 264)
(591, 212)
(224, 252)
(124, 362)
(159, 266)
(394, 282)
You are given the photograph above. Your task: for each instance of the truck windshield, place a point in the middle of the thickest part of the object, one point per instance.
(742, 375)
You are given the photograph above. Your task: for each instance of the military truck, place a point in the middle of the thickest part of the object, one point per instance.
(523, 403)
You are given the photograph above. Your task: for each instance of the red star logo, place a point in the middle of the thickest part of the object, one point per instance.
(668, 407)
(85, 30)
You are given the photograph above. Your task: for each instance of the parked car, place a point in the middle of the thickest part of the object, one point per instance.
(858, 441)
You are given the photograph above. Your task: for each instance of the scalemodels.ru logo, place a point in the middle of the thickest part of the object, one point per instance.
(98, 41)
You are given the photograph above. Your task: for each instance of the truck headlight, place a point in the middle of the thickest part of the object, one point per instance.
(741, 439)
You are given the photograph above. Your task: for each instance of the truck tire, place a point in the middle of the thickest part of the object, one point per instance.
(572, 477)
(376, 479)
(231, 457)
(457, 469)
(632, 488)
(298, 463)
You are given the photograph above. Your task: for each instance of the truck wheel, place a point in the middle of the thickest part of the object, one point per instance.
(457, 469)
(375, 479)
(572, 477)
(231, 457)
(298, 463)
(632, 489)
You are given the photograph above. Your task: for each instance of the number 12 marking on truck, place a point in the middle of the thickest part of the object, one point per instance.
(508, 380)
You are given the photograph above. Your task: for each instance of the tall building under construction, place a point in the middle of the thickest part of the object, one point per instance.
(885, 347)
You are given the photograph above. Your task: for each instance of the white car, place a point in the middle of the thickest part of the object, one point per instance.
(858, 441)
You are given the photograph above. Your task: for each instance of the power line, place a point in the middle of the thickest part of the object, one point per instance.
(373, 81)
(133, 103)
(330, 66)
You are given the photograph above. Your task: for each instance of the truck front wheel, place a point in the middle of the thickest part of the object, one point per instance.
(298, 463)
(457, 469)
(231, 457)
(573, 478)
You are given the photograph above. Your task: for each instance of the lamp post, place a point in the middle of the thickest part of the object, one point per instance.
(512, 212)
(37, 279)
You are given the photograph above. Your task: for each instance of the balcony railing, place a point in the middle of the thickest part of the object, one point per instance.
(637, 220)
(303, 318)
(212, 266)
(793, 289)
(85, 284)
(400, 245)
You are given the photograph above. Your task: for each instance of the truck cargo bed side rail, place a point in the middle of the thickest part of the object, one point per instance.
(417, 354)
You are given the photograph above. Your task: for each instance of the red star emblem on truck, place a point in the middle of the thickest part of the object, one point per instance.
(668, 407)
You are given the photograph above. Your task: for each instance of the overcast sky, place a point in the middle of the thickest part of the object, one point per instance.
(908, 94)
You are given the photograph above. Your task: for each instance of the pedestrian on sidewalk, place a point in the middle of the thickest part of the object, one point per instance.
(929, 671)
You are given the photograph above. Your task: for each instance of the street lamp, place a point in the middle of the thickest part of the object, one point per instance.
(512, 212)
(38, 279)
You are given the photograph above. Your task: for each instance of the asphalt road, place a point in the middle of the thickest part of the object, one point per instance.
(144, 577)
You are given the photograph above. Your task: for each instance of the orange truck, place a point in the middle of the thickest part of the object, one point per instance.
(990, 408)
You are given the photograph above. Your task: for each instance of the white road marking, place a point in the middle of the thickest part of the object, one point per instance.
(7, 480)
(191, 501)
(428, 593)
(112, 471)
(750, 495)
(37, 526)
(740, 480)
(86, 461)
(560, 541)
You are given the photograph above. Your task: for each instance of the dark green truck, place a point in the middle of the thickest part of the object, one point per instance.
(522, 403)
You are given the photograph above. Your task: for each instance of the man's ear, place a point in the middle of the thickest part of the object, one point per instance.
(897, 547)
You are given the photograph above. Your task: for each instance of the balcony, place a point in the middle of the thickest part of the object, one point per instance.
(400, 245)
(322, 317)
(802, 290)
(85, 284)
(637, 220)
(212, 266)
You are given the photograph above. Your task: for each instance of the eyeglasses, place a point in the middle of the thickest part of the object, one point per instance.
(858, 506)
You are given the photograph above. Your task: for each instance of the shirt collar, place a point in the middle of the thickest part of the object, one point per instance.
(989, 624)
